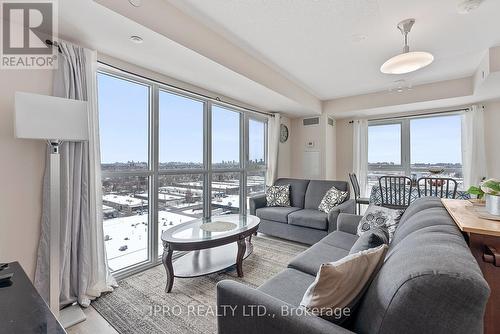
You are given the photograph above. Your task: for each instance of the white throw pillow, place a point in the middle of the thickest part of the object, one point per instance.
(378, 216)
(332, 198)
(339, 285)
(278, 195)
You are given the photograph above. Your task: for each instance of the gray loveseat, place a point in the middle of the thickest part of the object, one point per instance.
(429, 283)
(302, 221)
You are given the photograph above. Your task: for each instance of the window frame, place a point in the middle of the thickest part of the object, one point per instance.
(406, 166)
(207, 171)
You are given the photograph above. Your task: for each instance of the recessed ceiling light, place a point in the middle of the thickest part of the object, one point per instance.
(135, 3)
(407, 61)
(136, 39)
(467, 6)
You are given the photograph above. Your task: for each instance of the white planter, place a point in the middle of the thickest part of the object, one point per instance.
(493, 204)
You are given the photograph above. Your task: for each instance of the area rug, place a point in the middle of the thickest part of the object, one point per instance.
(141, 306)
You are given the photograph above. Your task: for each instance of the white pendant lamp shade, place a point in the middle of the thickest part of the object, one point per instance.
(407, 62)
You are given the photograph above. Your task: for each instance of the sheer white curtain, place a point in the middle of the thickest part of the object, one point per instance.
(360, 154)
(473, 150)
(84, 273)
(273, 143)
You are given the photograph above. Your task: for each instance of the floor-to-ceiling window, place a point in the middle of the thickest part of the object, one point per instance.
(168, 157)
(415, 147)
(124, 120)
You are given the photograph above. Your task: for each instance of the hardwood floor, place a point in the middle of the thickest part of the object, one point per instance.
(95, 323)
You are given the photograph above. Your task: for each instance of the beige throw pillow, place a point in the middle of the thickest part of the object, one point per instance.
(339, 285)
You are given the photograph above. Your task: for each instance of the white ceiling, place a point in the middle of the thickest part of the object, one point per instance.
(317, 43)
(326, 48)
(89, 24)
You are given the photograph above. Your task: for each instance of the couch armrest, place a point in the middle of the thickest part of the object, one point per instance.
(348, 223)
(244, 310)
(348, 206)
(256, 202)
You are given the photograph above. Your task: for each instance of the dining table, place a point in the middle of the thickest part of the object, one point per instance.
(376, 197)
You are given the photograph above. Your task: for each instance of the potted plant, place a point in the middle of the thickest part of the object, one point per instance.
(479, 193)
(491, 189)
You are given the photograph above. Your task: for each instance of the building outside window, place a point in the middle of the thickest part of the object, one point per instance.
(169, 157)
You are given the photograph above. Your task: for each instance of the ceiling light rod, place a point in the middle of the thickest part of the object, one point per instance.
(405, 28)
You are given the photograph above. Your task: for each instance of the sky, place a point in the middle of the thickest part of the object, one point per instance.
(123, 117)
(432, 140)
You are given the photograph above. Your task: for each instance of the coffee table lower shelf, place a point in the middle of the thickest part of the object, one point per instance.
(208, 261)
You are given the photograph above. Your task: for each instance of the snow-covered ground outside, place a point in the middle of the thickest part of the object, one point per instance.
(135, 229)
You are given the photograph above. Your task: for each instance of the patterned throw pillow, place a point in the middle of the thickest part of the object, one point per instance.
(278, 195)
(332, 198)
(377, 216)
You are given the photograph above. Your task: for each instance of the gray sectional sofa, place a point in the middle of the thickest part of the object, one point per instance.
(302, 221)
(429, 283)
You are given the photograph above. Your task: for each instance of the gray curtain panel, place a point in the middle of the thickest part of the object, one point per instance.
(83, 268)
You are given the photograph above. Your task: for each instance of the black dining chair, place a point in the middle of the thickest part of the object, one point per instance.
(395, 191)
(357, 193)
(442, 187)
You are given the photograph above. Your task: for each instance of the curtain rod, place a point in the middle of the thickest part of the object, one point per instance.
(417, 115)
(215, 99)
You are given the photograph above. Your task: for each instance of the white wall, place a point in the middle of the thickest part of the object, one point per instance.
(344, 133)
(285, 152)
(323, 154)
(492, 138)
(21, 172)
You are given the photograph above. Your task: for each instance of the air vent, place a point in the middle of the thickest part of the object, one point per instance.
(331, 121)
(310, 121)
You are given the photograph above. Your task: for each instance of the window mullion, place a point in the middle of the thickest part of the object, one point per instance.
(154, 130)
(207, 158)
(405, 146)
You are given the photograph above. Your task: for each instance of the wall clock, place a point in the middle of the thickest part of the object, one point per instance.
(283, 133)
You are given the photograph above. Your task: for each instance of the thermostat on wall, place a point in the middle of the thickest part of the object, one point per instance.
(310, 144)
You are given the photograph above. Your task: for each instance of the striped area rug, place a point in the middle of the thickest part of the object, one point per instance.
(141, 306)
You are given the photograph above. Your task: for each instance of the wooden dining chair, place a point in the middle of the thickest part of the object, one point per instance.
(395, 191)
(442, 187)
(357, 193)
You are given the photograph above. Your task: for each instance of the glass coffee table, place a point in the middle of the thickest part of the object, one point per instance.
(213, 244)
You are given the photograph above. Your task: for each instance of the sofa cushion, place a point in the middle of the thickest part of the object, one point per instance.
(317, 189)
(371, 239)
(340, 239)
(420, 204)
(297, 190)
(311, 259)
(278, 214)
(433, 216)
(278, 195)
(288, 286)
(380, 217)
(340, 284)
(332, 198)
(309, 218)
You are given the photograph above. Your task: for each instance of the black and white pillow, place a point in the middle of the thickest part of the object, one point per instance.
(378, 216)
(278, 195)
(332, 198)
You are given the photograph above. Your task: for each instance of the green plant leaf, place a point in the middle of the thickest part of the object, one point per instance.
(475, 191)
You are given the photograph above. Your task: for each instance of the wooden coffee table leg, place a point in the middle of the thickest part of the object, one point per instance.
(242, 247)
(167, 263)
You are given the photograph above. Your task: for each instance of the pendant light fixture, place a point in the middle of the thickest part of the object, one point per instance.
(407, 61)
